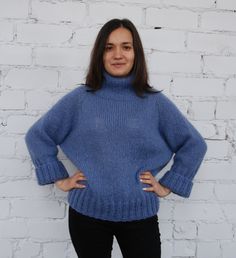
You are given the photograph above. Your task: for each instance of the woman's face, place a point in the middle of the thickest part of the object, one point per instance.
(118, 57)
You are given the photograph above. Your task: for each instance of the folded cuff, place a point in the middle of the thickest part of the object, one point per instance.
(177, 183)
(50, 172)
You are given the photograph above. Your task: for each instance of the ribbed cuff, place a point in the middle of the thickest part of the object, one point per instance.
(177, 183)
(50, 172)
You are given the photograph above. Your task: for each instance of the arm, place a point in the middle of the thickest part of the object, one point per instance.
(46, 133)
(185, 141)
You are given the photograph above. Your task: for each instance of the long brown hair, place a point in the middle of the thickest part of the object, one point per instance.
(94, 75)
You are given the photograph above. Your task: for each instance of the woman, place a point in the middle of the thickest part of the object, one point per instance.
(119, 132)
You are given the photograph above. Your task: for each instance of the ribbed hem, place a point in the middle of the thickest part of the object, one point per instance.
(177, 183)
(83, 201)
(50, 172)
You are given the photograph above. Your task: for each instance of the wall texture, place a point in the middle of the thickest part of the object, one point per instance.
(190, 47)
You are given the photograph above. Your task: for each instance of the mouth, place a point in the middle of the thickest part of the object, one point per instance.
(118, 65)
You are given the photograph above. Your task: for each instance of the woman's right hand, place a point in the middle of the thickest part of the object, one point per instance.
(71, 182)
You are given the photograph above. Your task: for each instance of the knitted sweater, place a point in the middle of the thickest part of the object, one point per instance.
(112, 135)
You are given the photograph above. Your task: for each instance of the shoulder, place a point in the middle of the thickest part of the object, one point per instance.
(75, 95)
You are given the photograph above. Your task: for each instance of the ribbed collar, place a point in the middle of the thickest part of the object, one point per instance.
(118, 88)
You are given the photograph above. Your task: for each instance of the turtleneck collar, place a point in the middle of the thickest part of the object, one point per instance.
(118, 88)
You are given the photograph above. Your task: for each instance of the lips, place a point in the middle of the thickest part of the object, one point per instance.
(118, 64)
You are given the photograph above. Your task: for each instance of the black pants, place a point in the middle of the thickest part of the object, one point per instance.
(93, 238)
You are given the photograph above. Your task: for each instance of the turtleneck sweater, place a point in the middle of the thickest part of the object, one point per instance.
(112, 136)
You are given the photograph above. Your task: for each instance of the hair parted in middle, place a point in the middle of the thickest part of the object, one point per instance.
(94, 77)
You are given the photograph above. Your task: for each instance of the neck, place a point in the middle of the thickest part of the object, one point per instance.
(118, 88)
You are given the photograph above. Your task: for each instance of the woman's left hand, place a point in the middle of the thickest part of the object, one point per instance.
(147, 178)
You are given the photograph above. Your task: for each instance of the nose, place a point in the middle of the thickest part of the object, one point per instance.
(117, 53)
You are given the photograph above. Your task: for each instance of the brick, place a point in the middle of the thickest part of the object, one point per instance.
(59, 11)
(49, 230)
(6, 31)
(14, 100)
(14, 167)
(225, 192)
(185, 230)
(174, 62)
(230, 211)
(99, 13)
(198, 211)
(230, 89)
(166, 229)
(43, 33)
(215, 171)
(184, 248)
(13, 229)
(31, 79)
(214, 64)
(160, 82)
(169, 18)
(209, 250)
(163, 40)
(23, 188)
(225, 110)
(71, 79)
(203, 110)
(38, 100)
(214, 231)
(190, 3)
(218, 21)
(226, 4)
(212, 43)
(197, 87)
(202, 191)
(85, 36)
(228, 249)
(70, 57)
(4, 209)
(204, 128)
(140, 1)
(21, 150)
(165, 211)
(15, 55)
(213, 130)
(58, 250)
(218, 149)
(12, 9)
(7, 147)
(27, 249)
(6, 248)
(167, 249)
(37, 209)
(18, 124)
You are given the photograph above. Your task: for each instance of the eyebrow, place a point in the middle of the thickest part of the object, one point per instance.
(125, 43)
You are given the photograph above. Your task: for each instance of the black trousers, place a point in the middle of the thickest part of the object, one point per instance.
(93, 238)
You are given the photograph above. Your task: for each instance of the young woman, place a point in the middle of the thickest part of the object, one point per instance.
(119, 132)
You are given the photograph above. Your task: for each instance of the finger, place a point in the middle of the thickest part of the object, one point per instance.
(148, 189)
(79, 176)
(79, 185)
(78, 173)
(146, 181)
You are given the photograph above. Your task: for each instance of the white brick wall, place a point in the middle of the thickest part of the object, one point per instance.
(44, 52)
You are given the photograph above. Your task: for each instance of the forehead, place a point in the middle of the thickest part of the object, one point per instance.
(120, 35)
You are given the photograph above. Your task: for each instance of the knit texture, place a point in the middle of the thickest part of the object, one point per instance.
(112, 135)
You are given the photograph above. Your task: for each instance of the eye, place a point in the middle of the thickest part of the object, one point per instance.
(127, 47)
(107, 48)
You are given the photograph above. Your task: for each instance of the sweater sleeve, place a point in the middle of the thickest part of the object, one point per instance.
(46, 133)
(185, 142)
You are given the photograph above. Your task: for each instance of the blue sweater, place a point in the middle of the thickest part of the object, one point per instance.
(112, 136)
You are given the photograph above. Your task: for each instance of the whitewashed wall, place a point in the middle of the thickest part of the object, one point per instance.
(44, 53)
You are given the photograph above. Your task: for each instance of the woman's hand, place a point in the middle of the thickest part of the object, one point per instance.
(71, 182)
(147, 178)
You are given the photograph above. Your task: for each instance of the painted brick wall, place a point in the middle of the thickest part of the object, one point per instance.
(44, 53)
